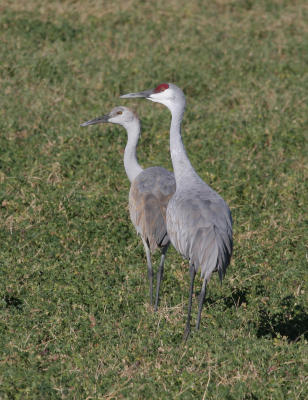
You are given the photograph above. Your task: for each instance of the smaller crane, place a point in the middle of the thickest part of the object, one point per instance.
(149, 193)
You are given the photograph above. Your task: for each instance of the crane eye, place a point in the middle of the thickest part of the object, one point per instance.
(119, 112)
(161, 88)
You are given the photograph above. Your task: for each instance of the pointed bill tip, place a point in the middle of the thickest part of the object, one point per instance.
(98, 120)
(145, 93)
(127, 96)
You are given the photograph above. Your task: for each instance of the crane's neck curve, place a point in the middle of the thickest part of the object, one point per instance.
(131, 165)
(182, 167)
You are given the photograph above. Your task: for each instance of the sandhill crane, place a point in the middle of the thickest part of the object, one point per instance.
(198, 220)
(149, 193)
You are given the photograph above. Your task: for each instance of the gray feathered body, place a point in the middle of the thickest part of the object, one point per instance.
(149, 195)
(199, 225)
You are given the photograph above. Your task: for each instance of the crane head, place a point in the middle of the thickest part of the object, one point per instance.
(118, 115)
(166, 93)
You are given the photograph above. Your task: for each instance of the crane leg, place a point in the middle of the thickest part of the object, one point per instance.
(160, 274)
(201, 301)
(192, 274)
(150, 269)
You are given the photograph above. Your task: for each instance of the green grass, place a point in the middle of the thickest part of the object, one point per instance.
(74, 316)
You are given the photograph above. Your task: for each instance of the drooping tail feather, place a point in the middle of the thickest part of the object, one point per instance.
(210, 251)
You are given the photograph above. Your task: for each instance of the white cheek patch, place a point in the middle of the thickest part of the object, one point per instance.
(159, 97)
(153, 96)
(151, 99)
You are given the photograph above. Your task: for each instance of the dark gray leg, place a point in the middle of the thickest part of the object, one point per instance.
(192, 274)
(160, 274)
(150, 269)
(201, 301)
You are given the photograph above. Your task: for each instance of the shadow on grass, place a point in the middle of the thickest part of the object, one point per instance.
(249, 396)
(236, 299)
(12, 301)
(291, 321)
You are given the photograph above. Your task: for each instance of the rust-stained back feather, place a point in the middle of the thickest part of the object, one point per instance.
(149, 195)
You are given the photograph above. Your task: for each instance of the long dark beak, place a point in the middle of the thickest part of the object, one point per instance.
(145, 93)
(98, 120)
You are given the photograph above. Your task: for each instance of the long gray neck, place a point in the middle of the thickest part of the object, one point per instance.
(131, 165)
(182, 167)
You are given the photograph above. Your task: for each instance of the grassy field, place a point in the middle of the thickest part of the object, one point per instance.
(75, 322)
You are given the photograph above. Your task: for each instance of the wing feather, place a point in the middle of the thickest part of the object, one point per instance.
(200, 228)
(148, 199)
